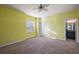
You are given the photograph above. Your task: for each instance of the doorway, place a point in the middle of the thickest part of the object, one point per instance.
(70, 29)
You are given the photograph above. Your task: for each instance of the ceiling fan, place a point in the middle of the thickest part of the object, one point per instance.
(42, 7)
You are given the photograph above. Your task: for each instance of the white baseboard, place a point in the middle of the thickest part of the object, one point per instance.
(12, 42)
(9, 43)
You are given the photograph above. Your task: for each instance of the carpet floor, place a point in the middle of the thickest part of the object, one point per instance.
(42, 45)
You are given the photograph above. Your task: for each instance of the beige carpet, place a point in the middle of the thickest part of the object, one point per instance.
(42, 45)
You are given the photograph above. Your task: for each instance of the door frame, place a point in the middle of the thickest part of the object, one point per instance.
(76, 31)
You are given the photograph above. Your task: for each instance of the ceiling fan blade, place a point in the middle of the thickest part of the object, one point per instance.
(34, 8)
(45, 5)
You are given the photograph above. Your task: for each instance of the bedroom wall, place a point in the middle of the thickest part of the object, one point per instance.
(53, 26)
(13, 25)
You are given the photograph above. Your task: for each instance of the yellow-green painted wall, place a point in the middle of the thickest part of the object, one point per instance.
(12, 25)
(55, 23)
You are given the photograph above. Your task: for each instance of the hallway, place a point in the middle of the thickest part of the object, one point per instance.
(41, 45)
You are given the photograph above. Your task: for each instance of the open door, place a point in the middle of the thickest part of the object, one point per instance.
(70, 29)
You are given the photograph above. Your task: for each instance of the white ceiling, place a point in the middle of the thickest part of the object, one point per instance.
(52, 9)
